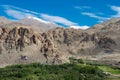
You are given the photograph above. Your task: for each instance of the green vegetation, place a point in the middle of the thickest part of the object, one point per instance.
(38, 71)
(110, 69)
(113, 73)
(74, 60)
(76, 70)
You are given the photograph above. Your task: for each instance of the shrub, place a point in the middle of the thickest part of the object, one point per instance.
(80, 61)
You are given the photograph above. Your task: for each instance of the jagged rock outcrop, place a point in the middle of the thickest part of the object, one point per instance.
(71, 41)
(17, 38)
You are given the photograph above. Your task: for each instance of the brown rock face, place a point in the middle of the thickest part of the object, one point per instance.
(107, 43)
(55, 46)
(24, 45)
(17, 38)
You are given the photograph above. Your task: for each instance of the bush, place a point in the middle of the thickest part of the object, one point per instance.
(80, 61)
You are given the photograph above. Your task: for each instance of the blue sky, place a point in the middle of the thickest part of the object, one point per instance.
(74, 13)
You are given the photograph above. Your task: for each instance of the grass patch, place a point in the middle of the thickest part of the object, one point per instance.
(110, 69)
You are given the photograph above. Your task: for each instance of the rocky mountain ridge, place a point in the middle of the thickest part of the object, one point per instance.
(34, 23)
(22, 44)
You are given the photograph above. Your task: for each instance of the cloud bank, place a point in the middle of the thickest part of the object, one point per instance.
(94, 16)
(117, 10)
(97, 15)
(57, 19)
(19, 13)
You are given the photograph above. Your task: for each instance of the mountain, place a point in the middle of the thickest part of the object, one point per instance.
(23, 44)
(33, 22)
(38, 23)
(112, 24)
(4, 20)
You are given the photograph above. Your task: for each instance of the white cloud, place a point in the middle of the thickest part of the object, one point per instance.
(57, 19)
(94, 16)
(7, 7)
(80, 27)
(82, 7)
(17, 14)
(117, 9)
(102, 19)
(38, 19)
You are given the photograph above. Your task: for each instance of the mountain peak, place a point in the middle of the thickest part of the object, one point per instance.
(112, 24)
(38, 23)
(4, 20)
